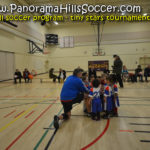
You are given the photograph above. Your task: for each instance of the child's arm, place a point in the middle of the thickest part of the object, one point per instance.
(90, 100)
(116, 94)
(106, 94)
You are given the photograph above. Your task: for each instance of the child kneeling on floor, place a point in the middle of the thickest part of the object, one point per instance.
(94, 97)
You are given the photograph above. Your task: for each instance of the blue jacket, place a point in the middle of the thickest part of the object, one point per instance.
(71, 88)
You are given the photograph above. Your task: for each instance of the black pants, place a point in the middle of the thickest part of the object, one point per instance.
(140, 77)
(26, 80)
(119, 79)
(79, 98)
(146, 76)
(15, 80)
(53, 76)
(67, 106)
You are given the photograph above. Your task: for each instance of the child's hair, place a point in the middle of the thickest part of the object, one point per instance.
(83, 78)
(95, 83)
(92, 76)
(84, 74)
(108, 78)
(99, 77)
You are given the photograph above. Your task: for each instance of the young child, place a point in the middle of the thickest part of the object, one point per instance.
(108, 106)
(115, 98)
(103, 86)
(91, 80)
(85, 80)
(95, 100)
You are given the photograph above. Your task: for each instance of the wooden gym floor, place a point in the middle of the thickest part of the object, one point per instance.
(26, 109)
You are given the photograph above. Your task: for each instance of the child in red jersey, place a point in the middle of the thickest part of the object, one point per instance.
(95, 100)
(115, 98)
(108, 106)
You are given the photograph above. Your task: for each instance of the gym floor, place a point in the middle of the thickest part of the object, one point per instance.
(27, 110)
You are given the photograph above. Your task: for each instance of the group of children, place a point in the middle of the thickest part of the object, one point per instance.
(103, 96)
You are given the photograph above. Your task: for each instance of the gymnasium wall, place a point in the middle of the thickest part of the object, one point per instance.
(20, 47)
(16, 42)
(129, 40)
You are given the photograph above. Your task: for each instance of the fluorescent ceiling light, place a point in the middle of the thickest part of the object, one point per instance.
(123, 13)
(55, 22)
(145, 14)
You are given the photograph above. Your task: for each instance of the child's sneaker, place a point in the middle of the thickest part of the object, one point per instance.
(98, 119)
(93, 118)
(116, 115)
(56, 122)
(89, 114)
(106, 116)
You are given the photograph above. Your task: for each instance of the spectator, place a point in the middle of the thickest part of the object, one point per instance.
(125, 74)
(52, 75)
(62, 75)
(26, 74)
(147, 73)
(92, 72)
(138, 73)
(117, 69)
(17, 75)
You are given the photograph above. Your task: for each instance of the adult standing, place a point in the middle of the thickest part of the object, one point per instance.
(117, 69)
(92, 72)
(73, 91)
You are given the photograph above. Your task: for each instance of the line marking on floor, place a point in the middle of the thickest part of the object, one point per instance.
(45, 133)
(51, 139)
(22, 133)
(137, 131)
(9, 114)
(145, 141)
(142, 131)
(98, 138)
(19, 114)
(142, 124)
(11, 122)
(131, 131)
(30, 114)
